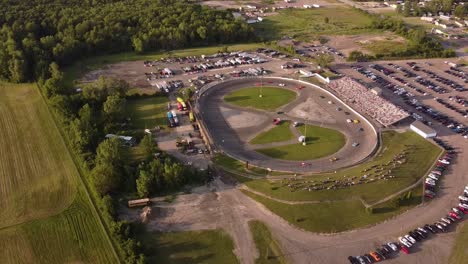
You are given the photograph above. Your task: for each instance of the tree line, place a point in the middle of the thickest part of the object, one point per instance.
(33, 34)
(412, 8)
(86, 116)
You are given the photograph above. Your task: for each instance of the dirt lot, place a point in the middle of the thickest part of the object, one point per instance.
(346, 44)
(222, 205)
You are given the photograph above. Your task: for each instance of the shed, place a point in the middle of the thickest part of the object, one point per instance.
(139, 202)
(423, 130)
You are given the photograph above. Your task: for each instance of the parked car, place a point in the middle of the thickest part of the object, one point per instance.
(375, 256)
(410, 239)
(404, 249)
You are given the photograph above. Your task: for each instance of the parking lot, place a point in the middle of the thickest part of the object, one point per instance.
(425, 89)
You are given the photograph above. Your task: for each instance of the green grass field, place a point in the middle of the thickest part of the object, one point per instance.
(46, 216)
(309, 23)
(321, 142)
(72, 236)
(278, 133)
(204, 247)
(386, 47)
(268, 248)
(148, 112)
(272, 97)
(459, 253)
(419, 160)
(338, 216)
(36, 181)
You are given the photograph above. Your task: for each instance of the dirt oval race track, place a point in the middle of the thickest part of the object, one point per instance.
(230, 127)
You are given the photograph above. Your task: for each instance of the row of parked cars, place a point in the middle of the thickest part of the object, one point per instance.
(238, 59)
(409, 99)
(462, 112)
(458, 73)
(430, 183)
(407, 241)
(454, 85)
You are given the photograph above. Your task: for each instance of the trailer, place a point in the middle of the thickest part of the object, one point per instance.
(139, 202)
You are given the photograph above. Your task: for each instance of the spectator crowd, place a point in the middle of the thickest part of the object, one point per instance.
(364, 100)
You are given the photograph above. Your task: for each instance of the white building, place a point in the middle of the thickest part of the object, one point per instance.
(126, 140)
(423, 130)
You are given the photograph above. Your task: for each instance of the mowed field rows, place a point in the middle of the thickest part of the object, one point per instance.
(45, 215)
(36, 177)
(73, 236)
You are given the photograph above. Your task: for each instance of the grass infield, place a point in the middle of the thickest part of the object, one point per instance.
(320, 142)
(278, 133)
(272, 97)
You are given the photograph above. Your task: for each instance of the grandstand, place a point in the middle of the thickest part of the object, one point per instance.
(367, 102)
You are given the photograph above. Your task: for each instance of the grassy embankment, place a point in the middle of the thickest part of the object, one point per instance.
(342, 209)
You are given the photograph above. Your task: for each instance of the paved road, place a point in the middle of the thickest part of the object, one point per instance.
(232, 142)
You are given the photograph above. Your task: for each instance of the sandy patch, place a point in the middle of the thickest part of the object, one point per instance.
(312, 111)
(240, 119)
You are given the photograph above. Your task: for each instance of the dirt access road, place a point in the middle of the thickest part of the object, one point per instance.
(223, 205)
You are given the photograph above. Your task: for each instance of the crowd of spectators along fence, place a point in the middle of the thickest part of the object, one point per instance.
(365, 101)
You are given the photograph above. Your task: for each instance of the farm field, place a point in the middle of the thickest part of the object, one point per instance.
(46, 216)
(73, 236)
(268, 248)
(419, 160)
(272, 97)
(205, 247)
(36, 178)
(148, 112)
(336, 216)
(322, 143)
(309, 23)
(279, 133)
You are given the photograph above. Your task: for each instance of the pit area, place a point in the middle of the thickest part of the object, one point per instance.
(230, 128)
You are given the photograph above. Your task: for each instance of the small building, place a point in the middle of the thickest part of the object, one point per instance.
(427, 18)
(421, 129)
(126, 140)
(306, 73)
(139, 202)
(377, 91)
(444, 17)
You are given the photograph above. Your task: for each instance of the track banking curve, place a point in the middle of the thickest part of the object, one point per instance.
(229, 140)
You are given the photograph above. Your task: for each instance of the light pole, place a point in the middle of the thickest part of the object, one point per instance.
(305, 136)
(261, 85)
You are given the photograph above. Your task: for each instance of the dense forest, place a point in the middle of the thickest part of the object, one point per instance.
(35, 33)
